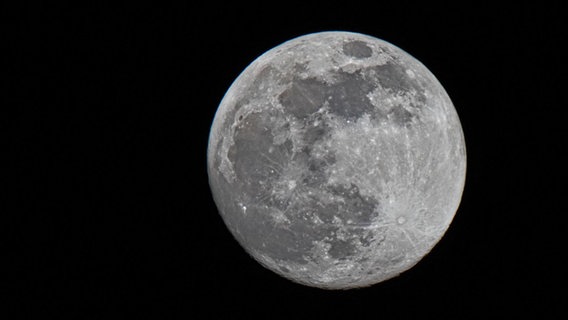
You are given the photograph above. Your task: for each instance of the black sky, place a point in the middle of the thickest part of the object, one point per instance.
(108, 111)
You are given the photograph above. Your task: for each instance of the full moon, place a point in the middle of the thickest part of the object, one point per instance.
(337, 160)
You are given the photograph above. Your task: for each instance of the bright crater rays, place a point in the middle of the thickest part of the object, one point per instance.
(337, 160)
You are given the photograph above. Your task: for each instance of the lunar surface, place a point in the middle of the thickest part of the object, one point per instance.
(337, 160)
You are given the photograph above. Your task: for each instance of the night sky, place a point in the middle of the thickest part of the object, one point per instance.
(107, 111)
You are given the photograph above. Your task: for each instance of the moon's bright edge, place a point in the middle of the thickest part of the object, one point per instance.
(337, 160)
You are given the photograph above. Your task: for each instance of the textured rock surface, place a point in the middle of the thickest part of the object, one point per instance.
(337, 160)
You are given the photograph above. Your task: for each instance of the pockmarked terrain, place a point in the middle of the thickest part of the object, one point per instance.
(337, 160)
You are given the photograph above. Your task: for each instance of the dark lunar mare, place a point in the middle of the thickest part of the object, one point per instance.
(348, 96)
(357, 49)
(270, 165)
(257, 169)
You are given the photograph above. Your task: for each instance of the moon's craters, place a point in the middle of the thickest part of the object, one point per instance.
(357, 49)
(337, 160)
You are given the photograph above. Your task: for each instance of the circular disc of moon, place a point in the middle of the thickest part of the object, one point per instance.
(337, 160)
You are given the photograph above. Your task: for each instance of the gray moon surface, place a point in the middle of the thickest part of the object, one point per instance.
(337, 160)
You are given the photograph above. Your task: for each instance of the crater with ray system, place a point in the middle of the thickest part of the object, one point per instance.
(337, 160)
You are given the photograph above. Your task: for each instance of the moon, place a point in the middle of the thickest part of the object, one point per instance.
(337, 160)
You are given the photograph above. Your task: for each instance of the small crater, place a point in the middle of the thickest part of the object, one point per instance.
(291, 184)
(357, 49)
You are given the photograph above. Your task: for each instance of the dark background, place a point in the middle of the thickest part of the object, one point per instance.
(108, 110)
